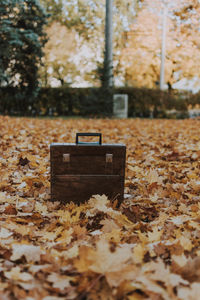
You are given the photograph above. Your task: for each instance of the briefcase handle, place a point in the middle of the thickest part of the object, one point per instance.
(88, 134)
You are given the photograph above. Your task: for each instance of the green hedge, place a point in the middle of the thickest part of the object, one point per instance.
(94, 102)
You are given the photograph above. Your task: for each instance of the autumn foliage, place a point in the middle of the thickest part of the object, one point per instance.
(141, 56)
(147, 249)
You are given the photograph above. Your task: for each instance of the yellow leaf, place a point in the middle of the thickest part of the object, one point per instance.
(59, 281)
(138, 253)
(153, 177)
(16, 274)
(31, 252)
(103, 260)
(186, 243)
(155, 235)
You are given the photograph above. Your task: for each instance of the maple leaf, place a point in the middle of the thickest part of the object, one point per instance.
(186, 243)
(65, 236)
(99, 202)
(109, 225)
(3, 197)
(191, 270)
(10, 210)
(68, 254)
(16, 274)
(20, 229)
(5, 233)
(127, 273)
(180, 260)
(36, 268)
(79, 232)
(41, 208)
(26, 206)
(138, 253)
(189, 294)
(106, 261)
(59, 281)
(154, 177)
(149, 286)
(162, 273)
(52, 206)
(32, 253)
(155, 235)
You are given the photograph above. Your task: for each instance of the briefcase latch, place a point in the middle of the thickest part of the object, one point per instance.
(109, 158)
(66, 157)
(109, 164)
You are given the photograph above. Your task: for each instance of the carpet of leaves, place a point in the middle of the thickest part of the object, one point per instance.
(149, 248)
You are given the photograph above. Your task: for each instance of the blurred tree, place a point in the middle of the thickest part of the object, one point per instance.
(141, 56)
(58, 64)
(22, 38)
(87, 19)
(54, 8)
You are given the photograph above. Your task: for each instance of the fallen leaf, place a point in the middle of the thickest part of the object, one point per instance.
(16, 274)
(59, 281)
(32, 253)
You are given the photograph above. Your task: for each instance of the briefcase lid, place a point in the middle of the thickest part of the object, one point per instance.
(83, 134)
(87, 158)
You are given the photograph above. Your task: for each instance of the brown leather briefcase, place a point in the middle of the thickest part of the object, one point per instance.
(81, 170)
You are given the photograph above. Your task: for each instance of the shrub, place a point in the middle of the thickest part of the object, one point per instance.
(95, 102)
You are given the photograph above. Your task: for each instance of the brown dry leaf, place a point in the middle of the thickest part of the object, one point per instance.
(138, 253)
(162, 273)
(151, 288)
(20, 229)
(186, 243)
(36, 268)
(79, 232)
(4, 197)
(71, 253)
(5, 233)
(153, 177)
(10, 210)
(84, 261)
(180, 260)
(126, 274)
(155, 236)
(111, 264)
(60, 282)
(98, 202)
(191, 270)
(16, 274)
(191, 293)
(32, 253)
(109, 225)
(65, 236)
(26, 206)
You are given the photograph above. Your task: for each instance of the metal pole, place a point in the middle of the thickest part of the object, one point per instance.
(108, 61)
(163, 49)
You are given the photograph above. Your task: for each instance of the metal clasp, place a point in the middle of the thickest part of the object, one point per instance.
(109, 164)
(109, 158)
(66, 157)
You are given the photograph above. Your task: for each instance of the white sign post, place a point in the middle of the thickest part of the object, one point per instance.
(120, 106)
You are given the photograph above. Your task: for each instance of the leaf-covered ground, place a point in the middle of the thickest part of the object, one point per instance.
(147, 249)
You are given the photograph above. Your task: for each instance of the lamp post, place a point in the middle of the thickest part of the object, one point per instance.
(108, 59)
(163, 48)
